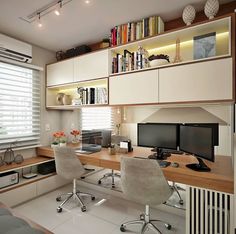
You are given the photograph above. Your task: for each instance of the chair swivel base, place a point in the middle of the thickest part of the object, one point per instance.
(112, 175)
(145, 222)
(75, 194)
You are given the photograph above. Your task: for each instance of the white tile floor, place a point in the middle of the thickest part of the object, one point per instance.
(103, 216)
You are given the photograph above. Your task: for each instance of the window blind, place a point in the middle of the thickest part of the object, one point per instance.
(97, 118)
(19, 106)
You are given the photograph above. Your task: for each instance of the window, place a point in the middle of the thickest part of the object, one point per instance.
(97, 118)
(19, 106)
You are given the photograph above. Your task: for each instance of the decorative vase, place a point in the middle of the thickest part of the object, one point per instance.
(59, 98)
(66, 100)
(189, 14)
(75, 140)
(54, 145)
(211, 8)
(62, 144)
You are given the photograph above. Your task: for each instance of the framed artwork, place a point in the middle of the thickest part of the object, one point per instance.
(204, 46)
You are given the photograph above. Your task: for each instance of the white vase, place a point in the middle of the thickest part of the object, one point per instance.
(211, 8)
(62, 144)
(54, 145)
(189, 14)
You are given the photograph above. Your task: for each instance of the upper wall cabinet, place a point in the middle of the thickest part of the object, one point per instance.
(205, 81)
(91, 66)
(134, 88)
(60, 73)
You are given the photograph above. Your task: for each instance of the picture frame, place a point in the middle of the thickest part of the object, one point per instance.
(204, 46)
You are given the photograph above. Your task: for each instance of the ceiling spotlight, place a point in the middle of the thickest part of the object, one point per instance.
(87, 1)
(40, 25)
(58, 8)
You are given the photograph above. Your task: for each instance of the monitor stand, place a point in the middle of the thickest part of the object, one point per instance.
(201, 166)
(159, 155)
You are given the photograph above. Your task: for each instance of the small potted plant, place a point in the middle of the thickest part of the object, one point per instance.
(59, 139)
(158, 60)
(75, 133)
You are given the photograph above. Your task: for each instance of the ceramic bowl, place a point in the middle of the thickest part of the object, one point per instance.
(158, 62)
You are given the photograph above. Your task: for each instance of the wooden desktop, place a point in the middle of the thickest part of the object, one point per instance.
(220, 178)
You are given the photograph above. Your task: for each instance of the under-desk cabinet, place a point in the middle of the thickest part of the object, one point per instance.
(134, 88)
(202, 81)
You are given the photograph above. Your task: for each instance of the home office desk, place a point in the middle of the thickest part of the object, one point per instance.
(207, 193)
(220, 178)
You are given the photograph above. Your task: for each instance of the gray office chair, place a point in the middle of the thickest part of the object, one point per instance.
(115, 139)
(142, 181)
(69, 167)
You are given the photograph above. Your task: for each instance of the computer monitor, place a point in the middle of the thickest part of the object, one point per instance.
(215, 129)
(197, 140)
(158, 135)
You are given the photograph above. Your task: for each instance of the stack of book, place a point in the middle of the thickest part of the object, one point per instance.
(94, 96)
(150, 26)
(130, 61)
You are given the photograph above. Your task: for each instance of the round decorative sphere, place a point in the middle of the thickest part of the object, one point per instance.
(211, 8)
(189, 14)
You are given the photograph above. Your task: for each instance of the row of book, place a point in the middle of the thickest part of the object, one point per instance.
(130, 61)
(150, 26)
(94, 96)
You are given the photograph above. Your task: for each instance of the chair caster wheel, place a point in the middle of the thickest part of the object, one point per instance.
(113, 186)
(141, 217)
(59, 209)
(58, 199)
(168, 226)
(83, 208)
(122, 228)
(92, 198)
(99, 182)
(181, 202)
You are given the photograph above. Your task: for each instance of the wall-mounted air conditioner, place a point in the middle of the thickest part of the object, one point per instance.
(13, 49)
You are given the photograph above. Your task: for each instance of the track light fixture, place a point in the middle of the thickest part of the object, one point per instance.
(55, 6)
(58, 8)
(40, 25)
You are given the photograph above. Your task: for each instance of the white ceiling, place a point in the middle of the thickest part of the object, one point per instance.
(81, 23)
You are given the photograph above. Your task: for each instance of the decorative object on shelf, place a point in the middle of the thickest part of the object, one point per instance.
(1, 161)
(19, 159)
(59, 98)
(59, 139)
(211, 8)
(177, 52)
(9, 156)
(75, 133)
(189, 14)
(76, 101)
(204, 46)
(158, 60)
(66, 99)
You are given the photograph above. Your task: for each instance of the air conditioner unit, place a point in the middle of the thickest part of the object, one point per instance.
(13, 49)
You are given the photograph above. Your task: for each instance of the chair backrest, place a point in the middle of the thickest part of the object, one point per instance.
(67, 163)
(142, 181)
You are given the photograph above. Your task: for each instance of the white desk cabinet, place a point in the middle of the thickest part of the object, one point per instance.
(203, 81)
(91, 66)
(60, 73)
(134, 88)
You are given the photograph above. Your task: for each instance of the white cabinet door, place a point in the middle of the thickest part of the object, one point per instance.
(19, 195)
(134, 88)
(50, 183)
(203, 81)
(91, 66)
(60, 73)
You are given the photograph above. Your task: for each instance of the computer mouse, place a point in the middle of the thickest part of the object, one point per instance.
(174, 164)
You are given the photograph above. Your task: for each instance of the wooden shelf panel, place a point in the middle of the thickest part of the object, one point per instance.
(26, 163)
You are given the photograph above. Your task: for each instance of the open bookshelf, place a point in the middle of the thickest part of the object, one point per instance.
(83, 98)
(165, 43)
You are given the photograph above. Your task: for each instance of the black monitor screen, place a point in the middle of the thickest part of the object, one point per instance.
(158, 135)
(197, 140)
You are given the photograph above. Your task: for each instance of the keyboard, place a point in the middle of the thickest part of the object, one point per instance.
(173, 151)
